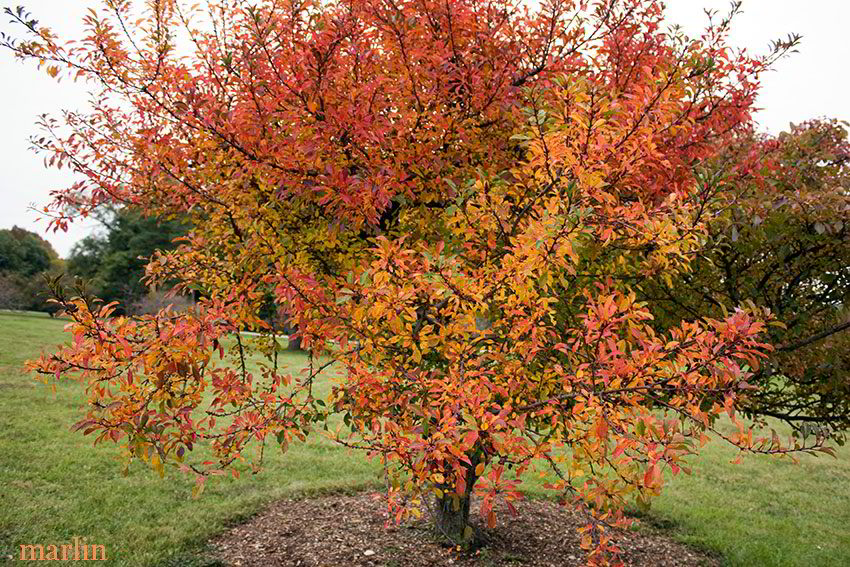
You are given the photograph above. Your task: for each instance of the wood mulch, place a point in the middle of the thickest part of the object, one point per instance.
(350, 531)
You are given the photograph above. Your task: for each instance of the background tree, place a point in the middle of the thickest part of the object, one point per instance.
(24, 252)
(113, 262)
(779, 236)
(395, 172)
(25, 258)
(11, 294)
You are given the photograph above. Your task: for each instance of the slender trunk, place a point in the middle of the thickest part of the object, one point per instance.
(451, 511)
(452, 519)
(293, 343)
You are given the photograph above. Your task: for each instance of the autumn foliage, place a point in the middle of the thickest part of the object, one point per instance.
(453, 200)
(778, 235)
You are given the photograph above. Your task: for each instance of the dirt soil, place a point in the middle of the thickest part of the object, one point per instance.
(350, 531)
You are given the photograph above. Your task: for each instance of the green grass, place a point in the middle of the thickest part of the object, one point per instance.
(764, 511)
(55, 485)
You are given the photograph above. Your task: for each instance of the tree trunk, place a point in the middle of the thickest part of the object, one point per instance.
(292, 343)
(451, 511)
(452, 519)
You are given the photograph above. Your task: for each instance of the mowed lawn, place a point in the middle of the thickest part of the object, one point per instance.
(55, 485)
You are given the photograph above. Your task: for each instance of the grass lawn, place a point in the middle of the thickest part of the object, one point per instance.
(55, 485)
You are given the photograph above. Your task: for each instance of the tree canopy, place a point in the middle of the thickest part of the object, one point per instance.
(25, 258)
(24, 252)
(456, 201)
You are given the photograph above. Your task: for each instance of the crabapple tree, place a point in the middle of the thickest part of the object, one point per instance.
(452, 200)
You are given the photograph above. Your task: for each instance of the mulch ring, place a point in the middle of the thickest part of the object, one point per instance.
(349, 531)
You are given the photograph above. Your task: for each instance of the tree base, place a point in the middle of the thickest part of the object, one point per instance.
(451, 522)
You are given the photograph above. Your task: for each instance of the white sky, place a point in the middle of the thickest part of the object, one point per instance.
(809, 84)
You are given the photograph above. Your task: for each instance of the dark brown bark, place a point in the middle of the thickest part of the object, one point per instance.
(451, 511)
(451, 519)
(293, 343)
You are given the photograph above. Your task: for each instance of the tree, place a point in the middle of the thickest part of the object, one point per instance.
(453, 200)
(25, 258)
(11, 295)
(779, 236)
(113, 263)
(24, 252)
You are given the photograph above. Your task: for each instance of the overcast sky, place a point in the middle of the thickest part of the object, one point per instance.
(809, 84)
